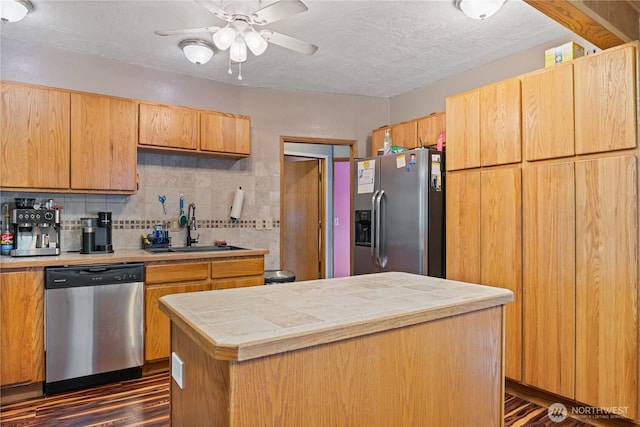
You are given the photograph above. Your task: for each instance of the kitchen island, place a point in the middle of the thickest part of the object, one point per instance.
(386, 349)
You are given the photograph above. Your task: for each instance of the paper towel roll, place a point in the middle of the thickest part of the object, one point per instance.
(236, 207)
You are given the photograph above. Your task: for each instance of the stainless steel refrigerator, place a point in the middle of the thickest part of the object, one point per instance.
(399, 213)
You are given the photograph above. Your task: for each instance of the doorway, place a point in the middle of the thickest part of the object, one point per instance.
(293, 247)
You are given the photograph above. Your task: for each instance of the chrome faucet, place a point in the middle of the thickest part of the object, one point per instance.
(191, 225)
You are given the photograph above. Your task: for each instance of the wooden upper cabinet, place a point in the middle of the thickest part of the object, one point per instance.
(605, 101)
(103, 142)
(377, 140)
(501, 251)
(168, 126)
(547, 113)
(463, 131)
(225, 133)
(35, 137)
(429, 128)
(21, 327)
(549, 253)
(405, 134)
(500, 135)
(607, 282)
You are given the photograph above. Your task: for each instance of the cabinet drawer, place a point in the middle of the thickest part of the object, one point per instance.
(181, 272)
(249, 266)
(241, 282)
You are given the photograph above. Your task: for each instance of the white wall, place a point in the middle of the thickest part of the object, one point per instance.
(208, 182)
(430, 99)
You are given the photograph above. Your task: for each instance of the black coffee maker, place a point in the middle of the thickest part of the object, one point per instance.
(96, 234)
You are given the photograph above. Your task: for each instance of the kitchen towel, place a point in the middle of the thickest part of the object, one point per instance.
(236, 207)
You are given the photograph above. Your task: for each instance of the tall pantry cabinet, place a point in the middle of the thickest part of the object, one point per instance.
(579, 234)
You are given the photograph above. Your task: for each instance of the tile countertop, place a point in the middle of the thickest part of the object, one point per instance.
(247, 323)
(125, 255)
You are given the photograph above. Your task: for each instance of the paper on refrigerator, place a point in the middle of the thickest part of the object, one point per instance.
(366, 176)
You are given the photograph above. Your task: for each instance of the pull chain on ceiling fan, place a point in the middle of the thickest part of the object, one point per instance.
(240, 33)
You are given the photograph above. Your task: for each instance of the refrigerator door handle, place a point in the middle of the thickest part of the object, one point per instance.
(381, 260)
(374, 228)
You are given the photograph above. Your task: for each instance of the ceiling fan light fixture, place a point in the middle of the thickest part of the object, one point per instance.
(14, 10)
(197, 51)
(238, 51)
(255, 42)
(224, 37)
(479, 9)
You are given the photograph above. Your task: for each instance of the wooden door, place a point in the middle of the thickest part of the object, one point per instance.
(377, 140)
(34, 137)
(156, 333)
(103, 143)
(548, 237)
(605, 101)
(607, 282)
(429, 128)
(302, 219)
(168, 126)
(405, 134)
(547, 113)
(501, 252)
(463, 131)
(463, 226)
(225, 133)
(500, 134)
(21, 327)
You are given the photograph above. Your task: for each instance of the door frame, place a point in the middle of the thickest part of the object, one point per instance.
(353, 152)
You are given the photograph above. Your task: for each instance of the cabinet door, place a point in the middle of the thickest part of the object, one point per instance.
(103, 143)
(224, 133)
(237, 267)
(605, 101)
(547, 113)
(156, 334)
(548, 237)
(35, 137)
(607, 282)
(405, 134)
(429, 128)
(463, 131)
(21, 327)
(176, 272)
(167, 126)
(377, 140)
(240, 282)
(500, 140)
(463, 226)
(501, 252)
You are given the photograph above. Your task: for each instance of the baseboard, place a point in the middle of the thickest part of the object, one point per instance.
(18, 393)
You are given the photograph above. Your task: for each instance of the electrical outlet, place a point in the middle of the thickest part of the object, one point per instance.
(259, 223)
(268, 224)
(177, 370)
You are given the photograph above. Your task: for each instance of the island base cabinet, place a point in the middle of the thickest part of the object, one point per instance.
(440, 373)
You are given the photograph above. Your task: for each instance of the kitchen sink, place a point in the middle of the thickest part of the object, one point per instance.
(212, 248)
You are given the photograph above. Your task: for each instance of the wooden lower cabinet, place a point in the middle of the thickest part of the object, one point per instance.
(607, 282)
(156, 336)
(21, 327)
(181, 277)
(549, 253)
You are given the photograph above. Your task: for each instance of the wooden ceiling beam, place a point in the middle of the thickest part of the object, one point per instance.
(605, 23)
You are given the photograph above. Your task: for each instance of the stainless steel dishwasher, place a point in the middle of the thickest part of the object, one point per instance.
(93, 325)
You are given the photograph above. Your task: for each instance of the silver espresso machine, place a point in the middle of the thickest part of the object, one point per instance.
(35, 232)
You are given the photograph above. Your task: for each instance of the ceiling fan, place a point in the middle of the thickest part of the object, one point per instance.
(240, 33)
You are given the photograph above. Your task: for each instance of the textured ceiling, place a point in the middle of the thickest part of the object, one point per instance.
(374, 48)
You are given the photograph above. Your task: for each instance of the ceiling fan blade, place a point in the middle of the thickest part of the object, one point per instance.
(215, 9)
(186, 31)
(277, 11)
(289, 42)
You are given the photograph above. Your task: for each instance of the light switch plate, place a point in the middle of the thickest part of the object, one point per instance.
(177, 370)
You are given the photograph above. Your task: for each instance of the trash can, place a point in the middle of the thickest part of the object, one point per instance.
(272, 277)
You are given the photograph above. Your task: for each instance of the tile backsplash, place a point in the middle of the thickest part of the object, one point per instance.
(209, 183)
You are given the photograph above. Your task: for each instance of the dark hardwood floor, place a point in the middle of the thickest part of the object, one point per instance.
(145, 402)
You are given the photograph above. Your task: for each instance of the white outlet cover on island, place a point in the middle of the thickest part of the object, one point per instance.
(177, 370)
